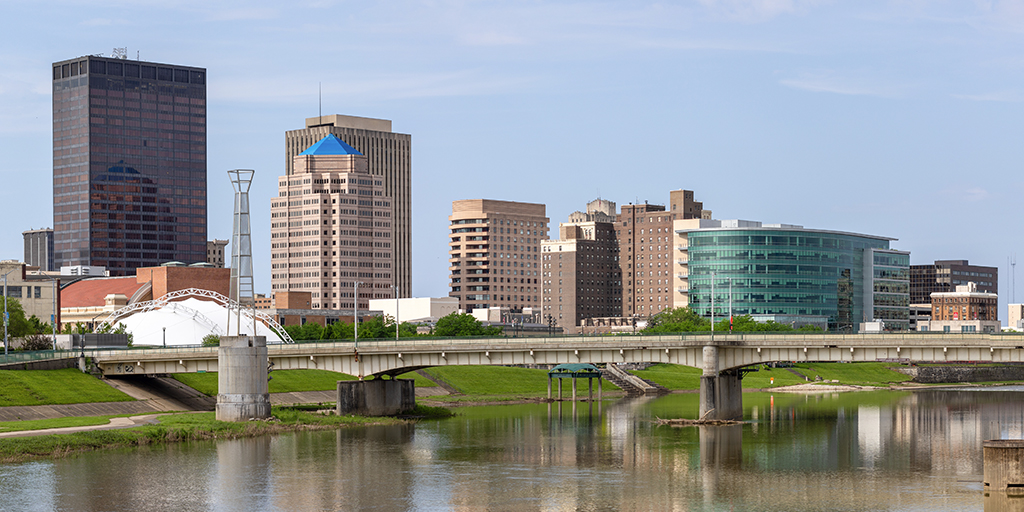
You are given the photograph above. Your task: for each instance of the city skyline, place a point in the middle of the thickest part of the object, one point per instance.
(888, 118)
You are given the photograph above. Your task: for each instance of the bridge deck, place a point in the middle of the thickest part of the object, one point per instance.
(393, 357)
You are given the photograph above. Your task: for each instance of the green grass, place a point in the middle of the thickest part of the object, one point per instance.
(491, 381)
(282, 381)
(679, 377)
(859, 374)
(54, 387)
(172, 428)
(289, 381)
(421, 381)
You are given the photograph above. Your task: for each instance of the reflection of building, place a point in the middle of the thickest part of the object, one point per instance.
(215, 252)
(39, 248)
(493, 253)
(331, 229)
(964, 310)
(645, 252)
(129, 163)
(389, 157)
(784, 272)
(580, 270)
(945, 275)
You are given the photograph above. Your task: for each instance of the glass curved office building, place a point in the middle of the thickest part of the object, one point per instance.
(793, 274)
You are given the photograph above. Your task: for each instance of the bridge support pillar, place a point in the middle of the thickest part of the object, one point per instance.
(242, 378)
(376, 397)
(721, 392)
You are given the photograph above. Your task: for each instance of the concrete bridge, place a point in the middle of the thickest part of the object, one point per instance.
(720, 356)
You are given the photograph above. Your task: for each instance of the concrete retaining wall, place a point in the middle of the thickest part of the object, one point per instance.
(948, 374)
(49, 364)
(377, 397)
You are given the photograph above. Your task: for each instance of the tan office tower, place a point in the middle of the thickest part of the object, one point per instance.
(331, 228)
(645, 251)
(580, 274)
(388, 155)
(493, 253)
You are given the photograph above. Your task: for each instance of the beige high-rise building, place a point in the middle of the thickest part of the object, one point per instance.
(331, 228)
(388, 156)
(493, 253)
(580, 271)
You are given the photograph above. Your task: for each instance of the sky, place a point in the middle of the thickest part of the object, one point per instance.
(899, 118)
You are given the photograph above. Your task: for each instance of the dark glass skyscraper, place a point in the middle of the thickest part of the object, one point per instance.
(129, 163)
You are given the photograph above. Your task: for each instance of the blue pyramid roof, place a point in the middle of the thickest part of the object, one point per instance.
(331, 145)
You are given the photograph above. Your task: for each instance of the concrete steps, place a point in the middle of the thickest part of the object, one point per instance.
(631, 384)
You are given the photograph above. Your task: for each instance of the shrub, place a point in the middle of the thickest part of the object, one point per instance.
(37, 342)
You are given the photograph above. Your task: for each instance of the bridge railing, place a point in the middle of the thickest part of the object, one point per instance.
(36, 355)
(570, 341)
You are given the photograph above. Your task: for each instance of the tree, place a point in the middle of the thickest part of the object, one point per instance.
(678, 320)
(463, 324)
(17, 325)
(211, 340)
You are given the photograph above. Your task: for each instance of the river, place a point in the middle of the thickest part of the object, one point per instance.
(858, 451)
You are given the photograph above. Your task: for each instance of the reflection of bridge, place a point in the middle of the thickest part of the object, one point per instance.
(720, 356)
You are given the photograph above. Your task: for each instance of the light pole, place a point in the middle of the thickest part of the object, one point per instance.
(355, 313)
(165, 337)
(397, 303)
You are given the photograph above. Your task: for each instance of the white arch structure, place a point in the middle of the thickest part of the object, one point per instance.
(169, 301)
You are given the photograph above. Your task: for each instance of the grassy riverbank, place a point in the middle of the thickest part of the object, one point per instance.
(54, 387)
(685, 378)
(288, 381)
(187, 427)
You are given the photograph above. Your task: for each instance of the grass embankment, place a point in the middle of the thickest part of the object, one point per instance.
(54, 387)
(188, 427)
(288, 381)
(502, 383)
(678, 377)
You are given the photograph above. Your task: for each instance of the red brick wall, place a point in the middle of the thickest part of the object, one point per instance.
(171, 279)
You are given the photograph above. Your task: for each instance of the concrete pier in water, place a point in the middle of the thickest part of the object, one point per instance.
(242, 378)
(376, 397)
(721, 392)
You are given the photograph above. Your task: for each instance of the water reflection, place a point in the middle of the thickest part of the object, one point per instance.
(850, 451)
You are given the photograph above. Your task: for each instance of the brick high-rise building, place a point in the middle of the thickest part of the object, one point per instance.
(389, 157)
(644, 232)
(129, 163)
(580, 271)
(331, 228)
(493, 253)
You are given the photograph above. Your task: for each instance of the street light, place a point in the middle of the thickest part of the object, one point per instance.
(397, 302)
(355, 313)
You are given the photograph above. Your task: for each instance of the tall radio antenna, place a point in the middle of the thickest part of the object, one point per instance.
(1013, 276)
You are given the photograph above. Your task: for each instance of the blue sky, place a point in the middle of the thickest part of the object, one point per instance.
(896, 118)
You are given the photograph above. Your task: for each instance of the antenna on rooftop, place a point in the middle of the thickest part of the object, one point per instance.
(1013, 275)
(320, 107)
(120, 53)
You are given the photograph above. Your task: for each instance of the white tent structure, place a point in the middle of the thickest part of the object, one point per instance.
(184, 317)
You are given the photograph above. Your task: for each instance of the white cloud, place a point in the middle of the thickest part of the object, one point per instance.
(1005, 96)
(851, 83)
(756, 10)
